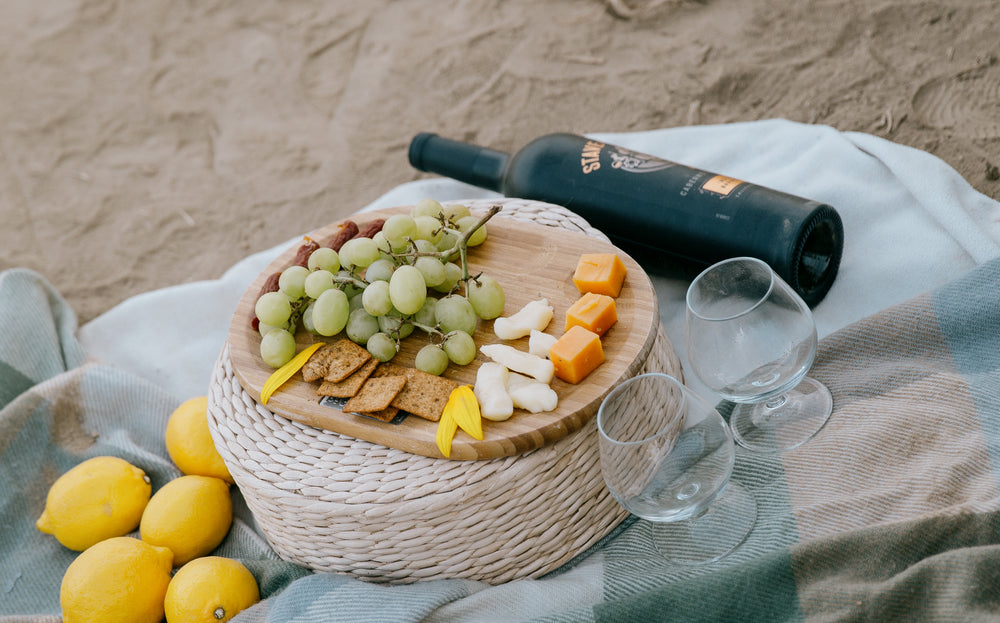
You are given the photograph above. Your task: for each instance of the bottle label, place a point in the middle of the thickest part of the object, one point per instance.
(721, 185)
(621, 159)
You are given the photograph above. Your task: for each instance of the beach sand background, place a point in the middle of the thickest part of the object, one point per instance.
(147, 144)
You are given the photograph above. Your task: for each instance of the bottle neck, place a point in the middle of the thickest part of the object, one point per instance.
(467, 163)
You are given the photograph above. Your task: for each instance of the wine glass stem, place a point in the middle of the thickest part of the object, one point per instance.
(776, 402)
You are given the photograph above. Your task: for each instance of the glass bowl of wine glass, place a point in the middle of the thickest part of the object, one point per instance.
(667, 456)
(752, 340)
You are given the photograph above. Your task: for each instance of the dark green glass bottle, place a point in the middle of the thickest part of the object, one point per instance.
(650, 206)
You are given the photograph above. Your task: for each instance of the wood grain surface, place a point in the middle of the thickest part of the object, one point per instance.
(531, 262)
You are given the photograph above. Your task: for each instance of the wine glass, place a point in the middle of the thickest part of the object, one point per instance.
(667, 456)
(752, 339)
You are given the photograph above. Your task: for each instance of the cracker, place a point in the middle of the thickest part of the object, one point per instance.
(385, 415)
(388, 368)
(318, 364)
(346, 359)
(424, 395)
(376, 394)
(349, 386)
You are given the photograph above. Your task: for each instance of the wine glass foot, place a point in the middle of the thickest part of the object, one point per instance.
(713, 534)
(783, 424)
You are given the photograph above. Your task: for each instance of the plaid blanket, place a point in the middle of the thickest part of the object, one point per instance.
(890, 513)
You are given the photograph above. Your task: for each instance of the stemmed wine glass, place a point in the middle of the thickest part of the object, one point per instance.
(752, 339)
(667, 456)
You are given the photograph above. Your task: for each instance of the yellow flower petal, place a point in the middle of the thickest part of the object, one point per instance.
(285, 372)
(464, 408)
(446, 432)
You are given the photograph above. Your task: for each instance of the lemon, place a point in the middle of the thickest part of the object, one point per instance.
(190, 444)
(120, 579)
(210, 589)
(190, 515)
(100, 498)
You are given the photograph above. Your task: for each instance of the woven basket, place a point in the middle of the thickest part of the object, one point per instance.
(333, 503)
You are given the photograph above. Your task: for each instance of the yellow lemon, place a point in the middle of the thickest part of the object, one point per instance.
(190, 515)
(209, 590)
(98, 499)
(120, 580)
(190, 444)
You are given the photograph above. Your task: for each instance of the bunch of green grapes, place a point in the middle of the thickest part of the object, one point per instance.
(413, 274)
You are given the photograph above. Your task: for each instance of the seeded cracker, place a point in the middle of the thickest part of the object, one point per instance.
(387, 368)
(375, 394)
(349, 386)
(347, 358)
(424, 395)
(385, 415)
(318, 364)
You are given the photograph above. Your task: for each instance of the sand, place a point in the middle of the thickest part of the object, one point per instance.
(147, 144)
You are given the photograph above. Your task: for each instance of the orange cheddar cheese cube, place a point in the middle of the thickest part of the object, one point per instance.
(600, 273)
(576, 354)
(594, 312)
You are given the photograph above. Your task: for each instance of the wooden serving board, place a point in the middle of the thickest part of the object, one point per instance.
(531, 262)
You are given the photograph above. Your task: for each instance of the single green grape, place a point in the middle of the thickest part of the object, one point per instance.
(447, 241)
(381, 346)
(460, 347)
(264, 329)
(293, 281)
(356, 301)
(425, 315)
(398, 227)
(379, 270)
(330, 312)
(407, 289)
(432, 270)
(273, 308)
(431, 359)
(307, 318)
(325, 258)
(427, 228)
(425, 246)
(394, 324)
(477, 238)
(455, 313)
(487, 297)
(277, 348)
(385, 250)
(453, 272)
(456, 211)
(427, 207)
(358, 253)
(375, 298)
(317, 282)
(361, 326)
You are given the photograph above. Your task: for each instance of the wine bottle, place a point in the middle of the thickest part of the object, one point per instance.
(651, 206)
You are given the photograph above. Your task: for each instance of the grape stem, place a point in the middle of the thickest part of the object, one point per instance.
(350, 281)
(463, 242)
(461, 245)
(425, 328)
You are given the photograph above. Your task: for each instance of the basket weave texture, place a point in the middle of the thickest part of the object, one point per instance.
(337, 504)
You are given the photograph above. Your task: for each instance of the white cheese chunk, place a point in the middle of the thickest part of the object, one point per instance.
(535, 315)
(539, 343)
(531, 395)
(491, 392)
(519, 361)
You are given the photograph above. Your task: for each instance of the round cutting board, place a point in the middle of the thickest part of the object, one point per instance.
(531, 262)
